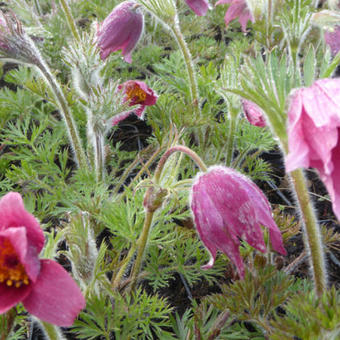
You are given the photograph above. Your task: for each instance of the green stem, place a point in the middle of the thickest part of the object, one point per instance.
(70, 19)
(313, 237)
(51, 331)
(178, 148)
(122, 269)
(190, 67)
(66, 113)
(231, 138)
(141, 244)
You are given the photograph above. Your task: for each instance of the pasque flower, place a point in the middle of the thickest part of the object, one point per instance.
(237, 8)
(136, 93)
(43, 286)
(200, 7)
(313, 133)
(121, 30)
(332, 39)
(227, 207)
(253, 113)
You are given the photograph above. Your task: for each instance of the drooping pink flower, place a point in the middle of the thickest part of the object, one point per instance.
(333, 40)
(137, 93)
(200, 7)
(43, 286)
(237, 8)
(227, 207)
(253, 113)
(313, 133)
(121, 30)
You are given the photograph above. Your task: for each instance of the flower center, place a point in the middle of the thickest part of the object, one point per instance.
(135, 94)
(12, 272)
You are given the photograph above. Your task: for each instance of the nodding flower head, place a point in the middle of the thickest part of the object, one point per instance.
(253, 113)
(228, 207)
(314, 133)
(237, 8)
(200, 7)
(121, 30)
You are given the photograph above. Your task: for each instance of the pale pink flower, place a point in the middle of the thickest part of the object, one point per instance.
(121, 30)
(313, 133)
(332, 39)
(43, 286)
(136, 93)
(253, 113)
(200, 7)
(237, 8)
(227, 207)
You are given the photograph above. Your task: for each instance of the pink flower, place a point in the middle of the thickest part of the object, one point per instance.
(253, 113)
(227, 207)
(200, 7)
(313, 133)
(43, 286)
(121, 30)
(333, 40)
(136, 92)
(238, 8)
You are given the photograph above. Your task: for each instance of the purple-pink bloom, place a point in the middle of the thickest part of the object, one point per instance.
(121, 30)
(227, 207)
(313, 133)
(43, 286)
(136, 93)
(200, 7)
(253, 113)
(237, 8)
(333, 40)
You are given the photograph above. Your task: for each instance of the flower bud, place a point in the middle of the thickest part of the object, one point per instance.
(253, 113)
(200, 7)
(121, 30)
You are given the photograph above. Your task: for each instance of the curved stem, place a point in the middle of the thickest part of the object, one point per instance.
(70, 19)
(66, 113)
(313, 237)
(190, 67)
(178, 148)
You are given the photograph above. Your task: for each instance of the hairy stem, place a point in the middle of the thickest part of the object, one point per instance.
(70, 19)
(312, 232)
(190, 67)
(141, 245)
(231, 137)
(8, 323)
(66, 113)
(51, 331)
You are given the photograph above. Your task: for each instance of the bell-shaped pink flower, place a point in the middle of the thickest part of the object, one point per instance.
(333, 40)
(253, 113)
(200, 7)
(121, 30)
(237, 8)
(43, 286)
(136, 93)
(227, 207)
(313, 133)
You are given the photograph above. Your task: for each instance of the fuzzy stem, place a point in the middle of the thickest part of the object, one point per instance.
(312, 232)
(141, 244)
(70, 19)
(66, 113)
(122, 269)
(231, 137)
(178, 148)
(330, 69)
(99, 155)
(190, 67)
(51, 331)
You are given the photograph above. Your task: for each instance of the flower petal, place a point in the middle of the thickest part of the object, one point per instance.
(55, 297)
(11, 296)
(13, 214)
